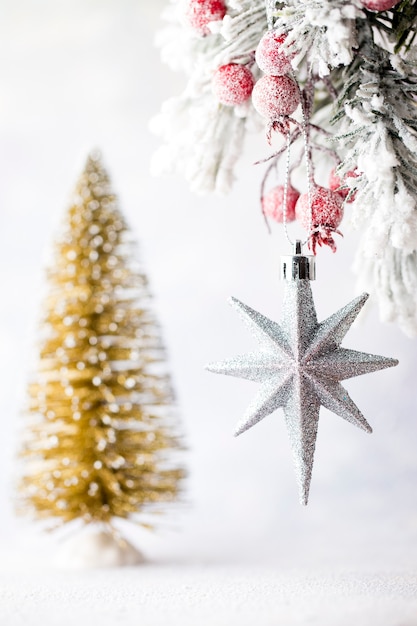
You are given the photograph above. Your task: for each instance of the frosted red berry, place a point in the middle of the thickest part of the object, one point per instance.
(274, 96)
(269, 55)
(379, 5)
(232, 84)
(199, 13)
(326, 208)
(273, 203)
(324, 215)
(335, 182)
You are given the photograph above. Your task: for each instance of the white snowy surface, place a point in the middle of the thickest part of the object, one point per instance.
(76, 75)
(158, 595)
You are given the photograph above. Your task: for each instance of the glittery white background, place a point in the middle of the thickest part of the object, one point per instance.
(76, 75)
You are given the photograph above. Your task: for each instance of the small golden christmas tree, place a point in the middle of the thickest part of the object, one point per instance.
(100, 433)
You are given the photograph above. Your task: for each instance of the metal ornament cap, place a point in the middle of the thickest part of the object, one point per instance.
(298, 266)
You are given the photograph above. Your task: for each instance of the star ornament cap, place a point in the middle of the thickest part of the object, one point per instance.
(299, 366)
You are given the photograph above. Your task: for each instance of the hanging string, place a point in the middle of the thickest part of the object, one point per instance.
(287, 176)
(308, 173)
(307, 164)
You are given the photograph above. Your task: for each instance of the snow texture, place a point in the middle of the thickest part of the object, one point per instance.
(323, 31)
(209, 596)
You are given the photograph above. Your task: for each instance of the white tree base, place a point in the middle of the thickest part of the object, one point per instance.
(97, 548)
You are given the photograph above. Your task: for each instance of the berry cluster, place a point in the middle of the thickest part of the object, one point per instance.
(319, 212)
(232, 84)
(276, 96)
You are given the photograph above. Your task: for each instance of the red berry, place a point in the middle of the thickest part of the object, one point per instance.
(326, 208)
(269, 56)
(273, 203)
(232, 84)
(379, 5)
(199, 13)
(335, 182)
(274, 96)
(324, 215)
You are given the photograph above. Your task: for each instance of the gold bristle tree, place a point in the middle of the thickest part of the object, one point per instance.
(100, 437)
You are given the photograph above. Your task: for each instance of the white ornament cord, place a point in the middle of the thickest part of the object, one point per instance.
(270, 7)
(308, 169)
(287, 175)
(308, 174)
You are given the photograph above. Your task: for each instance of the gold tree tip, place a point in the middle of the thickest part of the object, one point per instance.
(94, 181)
(95, 155)
(101, 440)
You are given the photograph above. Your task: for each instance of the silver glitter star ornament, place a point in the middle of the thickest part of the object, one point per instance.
(300, 365)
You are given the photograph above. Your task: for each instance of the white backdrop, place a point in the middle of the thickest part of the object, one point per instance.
(76, 75)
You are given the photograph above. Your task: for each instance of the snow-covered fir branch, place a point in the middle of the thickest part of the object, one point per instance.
(203, 141)
(321, 31)
(202, 138)
(391, 278)
(379, 128)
